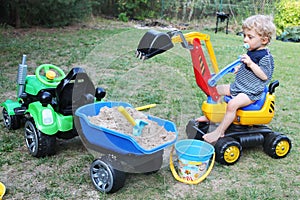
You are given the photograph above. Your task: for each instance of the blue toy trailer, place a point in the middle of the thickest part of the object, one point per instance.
(120, 153)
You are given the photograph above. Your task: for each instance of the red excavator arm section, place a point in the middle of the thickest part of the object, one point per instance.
(201, 70)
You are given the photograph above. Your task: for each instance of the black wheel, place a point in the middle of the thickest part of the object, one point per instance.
(105, 178)
(11, 122)
(38, 143)
(277, 145)
(228, 151)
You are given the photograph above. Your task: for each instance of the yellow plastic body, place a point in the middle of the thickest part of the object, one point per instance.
(204, 37)
(124, 112)
(262, 116)
(215, 113)
(2, 190)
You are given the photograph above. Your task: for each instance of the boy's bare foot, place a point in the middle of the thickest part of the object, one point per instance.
(202, 119)
(213, 136)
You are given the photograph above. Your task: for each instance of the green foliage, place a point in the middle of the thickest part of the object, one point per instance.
(62, 12)
(287, 14)
(188, 10)
(127, 9)
(105, 7)
(139, 9)
(50, 13)
(291, 34)
(123, 17)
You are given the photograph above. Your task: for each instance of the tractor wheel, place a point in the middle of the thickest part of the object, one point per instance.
(38, 143)
(228, 151)
(105, 178)
(277, 145)
(11, 122)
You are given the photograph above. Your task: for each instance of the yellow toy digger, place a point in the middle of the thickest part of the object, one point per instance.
(249, 128)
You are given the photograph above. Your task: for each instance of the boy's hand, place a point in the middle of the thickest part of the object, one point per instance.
(236, 69)
(246, 60)
(254, 67)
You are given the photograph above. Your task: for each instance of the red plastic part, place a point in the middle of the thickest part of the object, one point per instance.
(201, 70)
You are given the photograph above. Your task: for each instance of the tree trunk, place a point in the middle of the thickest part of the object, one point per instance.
(17, 16)
(192, 5)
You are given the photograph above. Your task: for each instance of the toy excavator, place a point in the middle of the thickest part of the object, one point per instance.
(249, 128)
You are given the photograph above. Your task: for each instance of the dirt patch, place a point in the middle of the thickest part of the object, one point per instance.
(153, 135)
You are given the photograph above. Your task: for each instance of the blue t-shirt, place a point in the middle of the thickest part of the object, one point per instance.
(247, 82)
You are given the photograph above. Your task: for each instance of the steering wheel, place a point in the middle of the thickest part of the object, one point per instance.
(46, 81)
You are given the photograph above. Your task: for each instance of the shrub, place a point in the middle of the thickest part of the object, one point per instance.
(290, 34)
(287, 14)
(51, 13)
(139, 9)
(123, 17)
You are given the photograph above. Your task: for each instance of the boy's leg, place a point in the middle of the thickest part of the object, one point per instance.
(222, 90)
(239, 101)
(202, 119)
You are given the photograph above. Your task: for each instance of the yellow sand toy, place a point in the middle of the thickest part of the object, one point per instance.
(2, 190)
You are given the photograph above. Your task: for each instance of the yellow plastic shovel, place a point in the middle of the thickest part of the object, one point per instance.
(137, 124)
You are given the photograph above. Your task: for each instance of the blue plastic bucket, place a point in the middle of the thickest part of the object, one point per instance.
(193, 158)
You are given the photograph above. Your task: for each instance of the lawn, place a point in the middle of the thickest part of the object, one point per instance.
(107, 53)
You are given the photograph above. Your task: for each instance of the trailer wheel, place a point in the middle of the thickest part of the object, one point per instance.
(38, 143)
(11, 122)
(277, 145)
(228, 151)
(105, 178)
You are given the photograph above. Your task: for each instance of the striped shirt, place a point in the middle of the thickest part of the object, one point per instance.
(247, 82)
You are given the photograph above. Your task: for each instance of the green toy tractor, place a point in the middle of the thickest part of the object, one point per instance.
(46, 103)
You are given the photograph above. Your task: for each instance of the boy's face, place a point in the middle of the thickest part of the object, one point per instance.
(255, 41)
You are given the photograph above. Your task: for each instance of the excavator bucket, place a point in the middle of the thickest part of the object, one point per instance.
(153, 43)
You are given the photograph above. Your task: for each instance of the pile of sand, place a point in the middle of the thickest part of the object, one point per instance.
(152, 135)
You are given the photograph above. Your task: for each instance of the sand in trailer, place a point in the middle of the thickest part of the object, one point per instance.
(153, 135)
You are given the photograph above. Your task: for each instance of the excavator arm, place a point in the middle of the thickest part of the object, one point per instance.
(154, 43)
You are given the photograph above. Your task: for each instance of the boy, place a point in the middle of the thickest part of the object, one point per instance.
(252, 76)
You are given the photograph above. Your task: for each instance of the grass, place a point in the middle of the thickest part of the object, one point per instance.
(107, 54)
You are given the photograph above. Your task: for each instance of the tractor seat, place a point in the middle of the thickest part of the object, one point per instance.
(257, 105)
(76, 79)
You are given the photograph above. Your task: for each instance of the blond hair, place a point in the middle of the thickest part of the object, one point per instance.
(262, 24)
